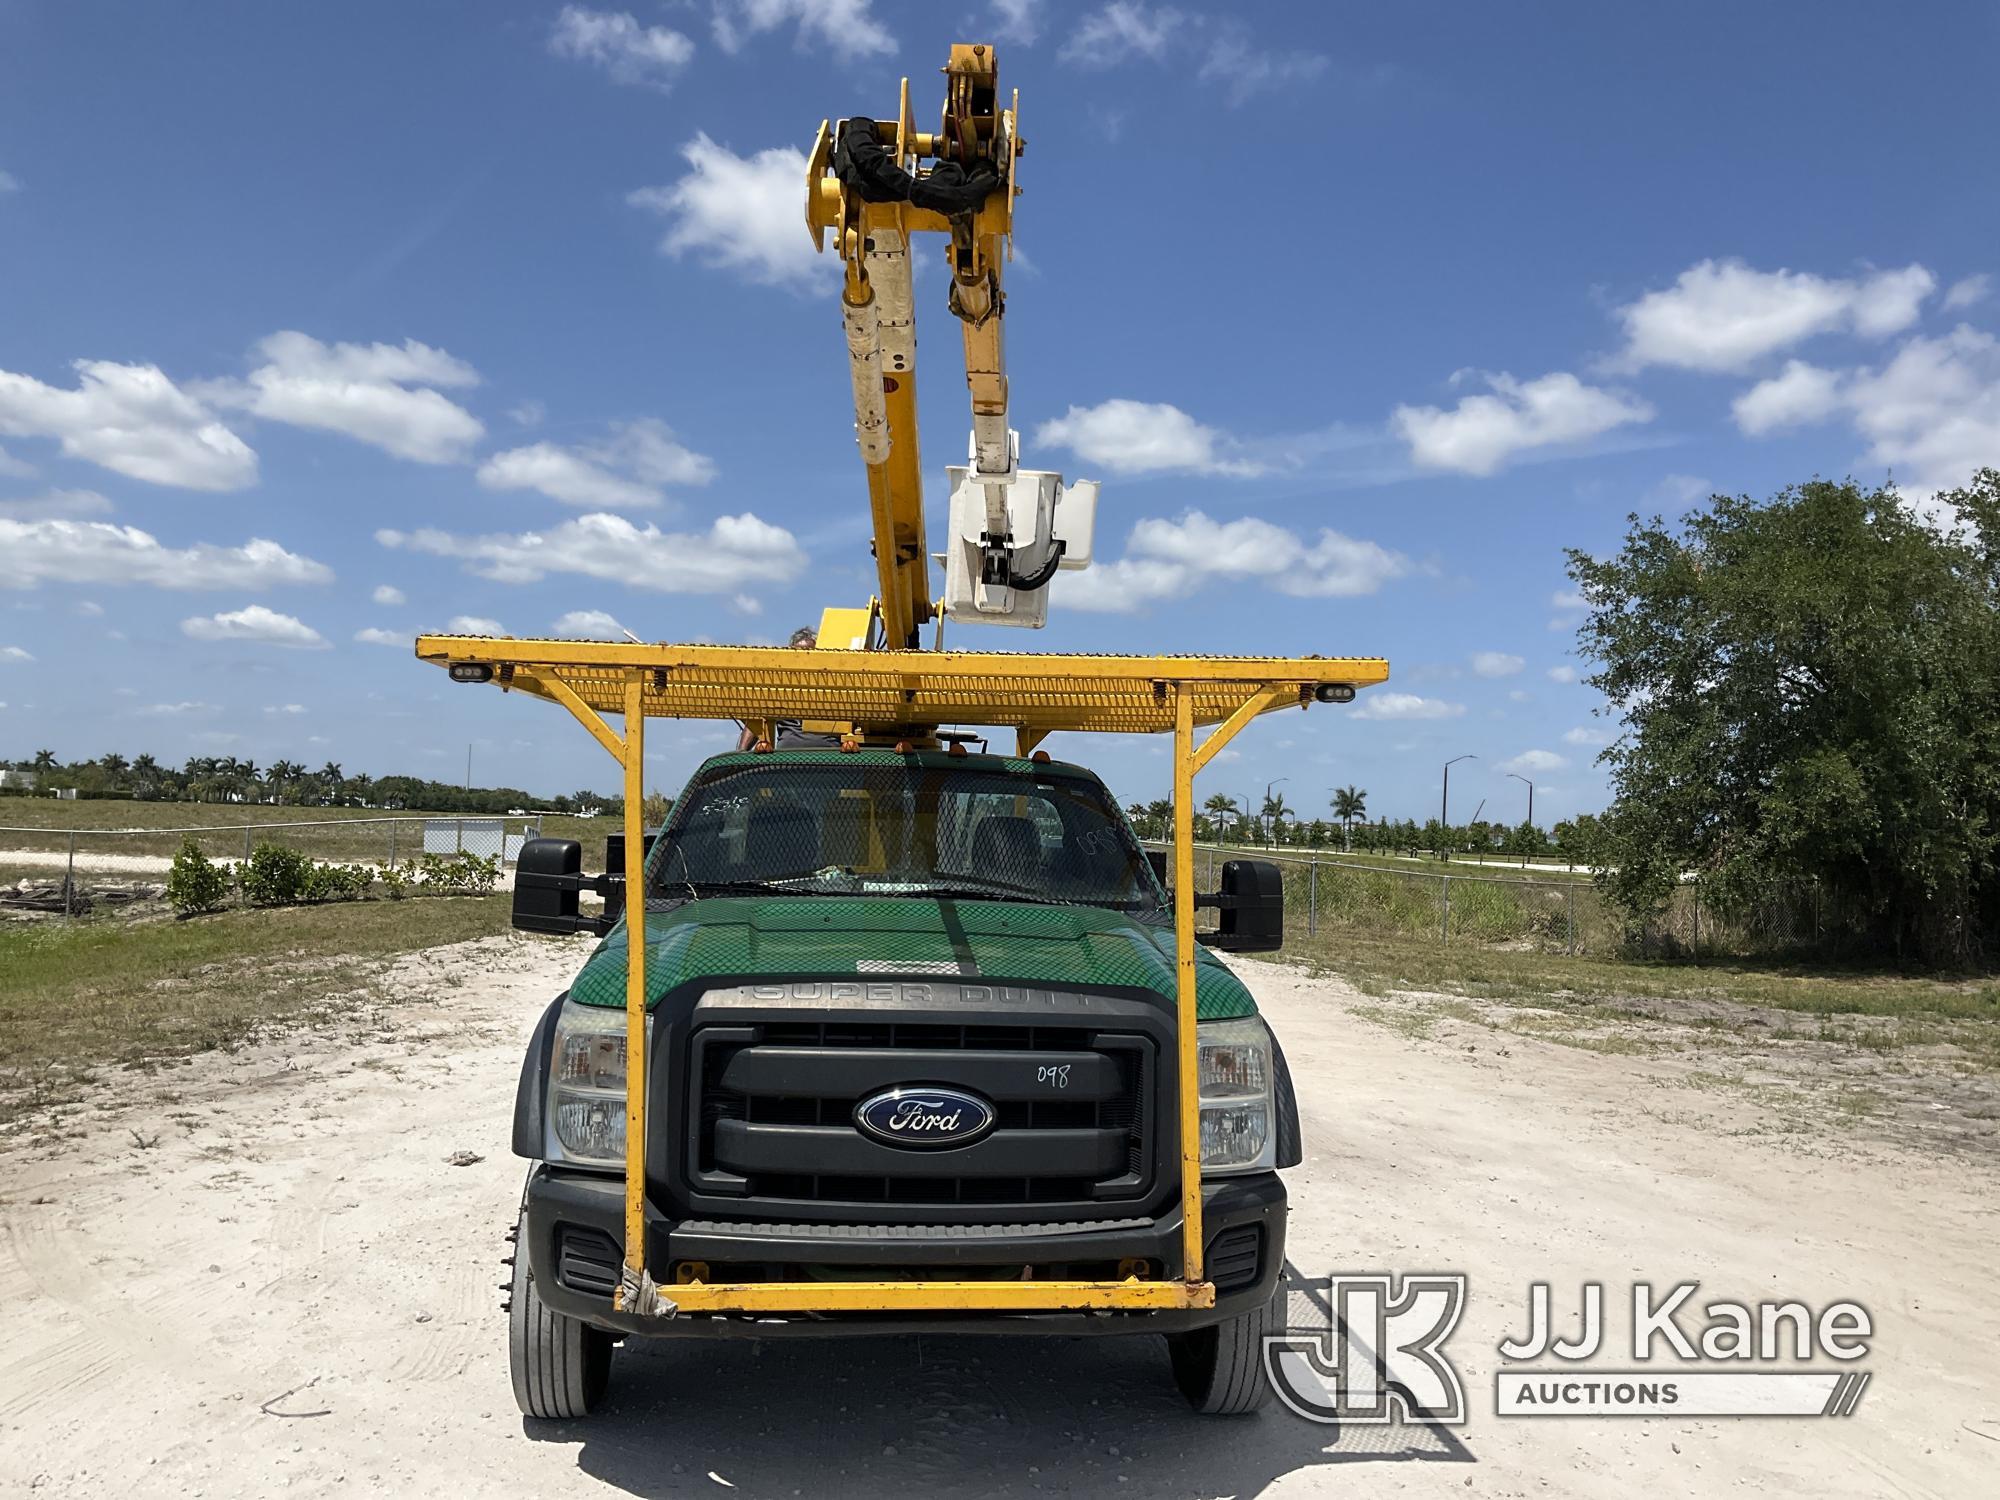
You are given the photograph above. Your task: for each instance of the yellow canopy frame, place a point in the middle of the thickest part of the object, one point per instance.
(885, 694)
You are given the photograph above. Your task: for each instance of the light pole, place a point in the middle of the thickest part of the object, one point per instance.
(1444, 804)
(1267, 802)
(1531, 806)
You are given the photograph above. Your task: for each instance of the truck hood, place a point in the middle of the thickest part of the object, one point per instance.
(747, 939)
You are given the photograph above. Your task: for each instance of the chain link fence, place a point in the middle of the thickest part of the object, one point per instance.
(1326, 895)
(67, 870)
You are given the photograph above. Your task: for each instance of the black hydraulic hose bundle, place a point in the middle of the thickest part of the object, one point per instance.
(866, 166)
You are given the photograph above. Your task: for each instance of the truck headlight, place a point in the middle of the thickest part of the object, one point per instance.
(586, 1106)
(1233, 1072)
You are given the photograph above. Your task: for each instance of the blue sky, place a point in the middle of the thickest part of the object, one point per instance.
(320, 325)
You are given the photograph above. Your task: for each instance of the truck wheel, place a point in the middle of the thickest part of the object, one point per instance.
(1220, 1369)
(560, 1366)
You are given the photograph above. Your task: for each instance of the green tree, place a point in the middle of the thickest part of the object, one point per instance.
(1810, 689)
(1219, 807)
(1349, 803)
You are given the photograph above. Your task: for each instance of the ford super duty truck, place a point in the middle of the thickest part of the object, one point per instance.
(911, 1015)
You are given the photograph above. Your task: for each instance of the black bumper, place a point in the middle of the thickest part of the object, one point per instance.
(1243, 1221)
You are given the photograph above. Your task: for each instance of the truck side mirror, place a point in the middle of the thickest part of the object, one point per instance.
(1157, 858)
(547, 879)
(1252, 907)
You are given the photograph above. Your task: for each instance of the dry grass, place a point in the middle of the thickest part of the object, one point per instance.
(78, 997)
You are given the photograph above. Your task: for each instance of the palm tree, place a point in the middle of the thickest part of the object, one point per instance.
(1161, 811)
(114, 764)
(1276, 811)
(1349, 803)
(331, 781)
(45, 760)
(1219, 807)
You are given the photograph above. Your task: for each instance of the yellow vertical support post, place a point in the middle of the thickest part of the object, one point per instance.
(1184, 996)
(635, 984)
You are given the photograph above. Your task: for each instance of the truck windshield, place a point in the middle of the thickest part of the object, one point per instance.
(840, 827)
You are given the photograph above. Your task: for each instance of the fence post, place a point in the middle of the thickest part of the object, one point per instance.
(392, 843)
(246, 844)
(1444, 923)
(1312, 898)
(1572, 919)
(461, 836)
(69, 877)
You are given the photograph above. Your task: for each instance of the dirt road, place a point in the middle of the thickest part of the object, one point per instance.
(260, 1272)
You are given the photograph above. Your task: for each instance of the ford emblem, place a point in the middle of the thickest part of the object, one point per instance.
(924, 1118)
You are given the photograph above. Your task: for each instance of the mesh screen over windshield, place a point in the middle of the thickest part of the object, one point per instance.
(839, 827)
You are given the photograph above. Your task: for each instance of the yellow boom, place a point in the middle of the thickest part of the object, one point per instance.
(873, 185)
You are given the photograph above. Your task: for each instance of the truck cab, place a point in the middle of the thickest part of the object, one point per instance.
(910, 1016)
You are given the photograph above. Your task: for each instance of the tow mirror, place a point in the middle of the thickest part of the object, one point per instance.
(547, 879)
(1252, 907)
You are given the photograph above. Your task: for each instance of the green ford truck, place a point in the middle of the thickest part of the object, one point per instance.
(911, 1017)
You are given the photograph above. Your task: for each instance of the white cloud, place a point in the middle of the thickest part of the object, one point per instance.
(1589, 738)
(1244, 70)
(1802, 393)
(379, 394)
(846, 28)
(1120, 31)
(88, 609)
(132, 420)
(734, 553)
(1930, 414)
(1376, 704)
(176, 710)
(61, 551)
(1968, 291)
(255, 623)
(388, 594)
(1484, 431)
(1495, 663)
(626, 470)
(740, 213)
(473, 625)
(9, 183)
(1520, 695)
(587, 625)
(14, 654)
(285, 708)
(1535, 760)
(527, 413)
(1165, 560)
(617, 43)
(1567, 599)
(1016, 20)
(747, 604)
(1563, 673)
(1724, 315)
(55, 505)
(1142, 437)
(373, 636)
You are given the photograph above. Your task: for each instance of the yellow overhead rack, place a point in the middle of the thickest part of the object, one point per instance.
(885, 693)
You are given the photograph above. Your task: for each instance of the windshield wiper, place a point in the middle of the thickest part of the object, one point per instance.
(741, 888)
(984, 893)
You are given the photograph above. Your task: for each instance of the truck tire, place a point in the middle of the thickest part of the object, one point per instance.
(561, 1367)
(1220, 1369)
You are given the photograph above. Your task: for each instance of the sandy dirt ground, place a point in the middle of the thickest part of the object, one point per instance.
(261, 1273)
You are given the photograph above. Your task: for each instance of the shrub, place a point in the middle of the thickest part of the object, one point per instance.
(337, 882)
(461, 873)
(398, 878)
(196, 883)
(276, 876)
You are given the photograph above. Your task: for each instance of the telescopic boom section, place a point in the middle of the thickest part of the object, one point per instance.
(874, 184)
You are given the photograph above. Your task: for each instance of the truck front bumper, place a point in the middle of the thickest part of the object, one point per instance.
(573, 1232)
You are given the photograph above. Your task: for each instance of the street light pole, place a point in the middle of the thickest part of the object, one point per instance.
(1267, 802)
(1531, 794)
(1444, 804)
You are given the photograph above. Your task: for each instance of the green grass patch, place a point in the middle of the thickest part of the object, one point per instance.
(1380, 965)
(76, 997)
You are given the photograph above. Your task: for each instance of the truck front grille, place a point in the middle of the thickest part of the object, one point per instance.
(776, 1127)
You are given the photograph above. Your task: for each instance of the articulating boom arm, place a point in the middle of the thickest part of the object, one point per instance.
(874, 184)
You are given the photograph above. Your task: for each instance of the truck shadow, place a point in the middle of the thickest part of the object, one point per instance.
(949, 1416)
